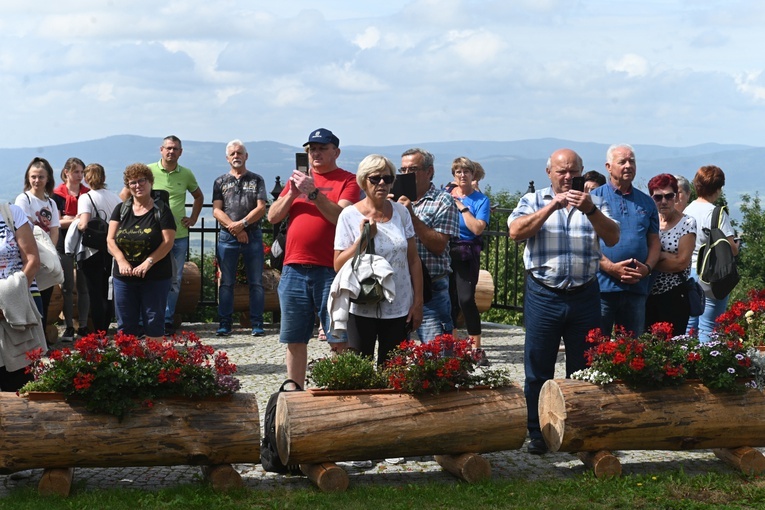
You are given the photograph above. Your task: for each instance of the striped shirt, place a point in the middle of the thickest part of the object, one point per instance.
(566, 250)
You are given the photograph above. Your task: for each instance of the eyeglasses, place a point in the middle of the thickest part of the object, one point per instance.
(409, 169)
(658, 198)
(139, 182)
(375, 179)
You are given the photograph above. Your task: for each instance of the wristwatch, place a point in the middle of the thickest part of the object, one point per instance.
(245, 223)
(312, 195)
(464, 210)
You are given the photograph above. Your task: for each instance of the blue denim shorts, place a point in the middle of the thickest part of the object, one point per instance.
(303, 292)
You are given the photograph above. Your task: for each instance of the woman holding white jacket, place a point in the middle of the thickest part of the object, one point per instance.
(386, 323)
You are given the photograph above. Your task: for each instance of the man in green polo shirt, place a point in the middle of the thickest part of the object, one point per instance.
(176, 180)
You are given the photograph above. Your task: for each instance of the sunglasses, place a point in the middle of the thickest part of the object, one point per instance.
(375, 179)
(658, 197)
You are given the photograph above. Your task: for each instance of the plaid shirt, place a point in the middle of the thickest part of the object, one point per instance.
(436, 209)
(566, 250)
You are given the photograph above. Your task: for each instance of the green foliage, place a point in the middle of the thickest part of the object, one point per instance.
(346, 371)
(751, 259)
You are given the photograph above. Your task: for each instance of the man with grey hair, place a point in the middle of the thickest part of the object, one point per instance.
(436, 221)
(625, 268)
(239, 202)
(683, 193)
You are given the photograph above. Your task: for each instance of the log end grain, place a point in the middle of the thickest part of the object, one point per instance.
(603, 463)
(56, 482)
(222, 477)
(552, 414)
(469, 467)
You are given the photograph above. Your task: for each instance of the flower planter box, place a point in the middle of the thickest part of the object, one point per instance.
(578, 416)
(313, 427)
(50, 432)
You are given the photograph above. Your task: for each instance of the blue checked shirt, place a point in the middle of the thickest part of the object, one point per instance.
(566, 250)
(436, 209)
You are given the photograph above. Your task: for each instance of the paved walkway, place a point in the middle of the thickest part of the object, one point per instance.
(261, 371)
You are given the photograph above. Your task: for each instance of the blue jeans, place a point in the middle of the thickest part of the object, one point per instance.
(625, 309)
(303, 291)
(436, 313)
(548, 317)
(178, 257)
(229, 250)
(706, 322)
(143, 301)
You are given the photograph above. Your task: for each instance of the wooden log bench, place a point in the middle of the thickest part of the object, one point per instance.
(324, 427)
(60, 435)
(592, 420)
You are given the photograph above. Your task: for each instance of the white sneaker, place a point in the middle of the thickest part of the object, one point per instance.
(395, 460)
(363, 464)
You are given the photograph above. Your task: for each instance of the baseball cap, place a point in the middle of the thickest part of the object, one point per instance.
(322, 135)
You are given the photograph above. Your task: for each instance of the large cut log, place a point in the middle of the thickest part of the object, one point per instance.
(315, 427)
(580, 416)
(223, 477)
(61, 434)
(603, 463)
(56, 482)
(746, 459)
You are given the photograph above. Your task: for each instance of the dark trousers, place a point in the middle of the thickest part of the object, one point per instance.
(96, 270)
(671, 306)
(462, 284)
(364, 332)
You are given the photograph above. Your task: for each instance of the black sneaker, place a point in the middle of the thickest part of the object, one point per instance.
(483, 361)
(82, 332)
(68, 335)
(169, 329)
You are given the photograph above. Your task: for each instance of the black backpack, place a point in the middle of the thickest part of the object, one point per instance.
(269, 455)
(716, 265)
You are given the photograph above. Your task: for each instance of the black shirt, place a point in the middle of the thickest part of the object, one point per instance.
(138, 236)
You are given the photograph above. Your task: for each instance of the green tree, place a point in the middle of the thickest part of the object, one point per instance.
(751, 259)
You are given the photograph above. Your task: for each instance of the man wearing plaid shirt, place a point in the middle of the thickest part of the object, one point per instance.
(436, 220)
(562, 228)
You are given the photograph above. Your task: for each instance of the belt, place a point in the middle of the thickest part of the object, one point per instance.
(570, 291)
(306, 266)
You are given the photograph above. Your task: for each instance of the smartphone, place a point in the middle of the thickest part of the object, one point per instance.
(301, 162)
(577, 183)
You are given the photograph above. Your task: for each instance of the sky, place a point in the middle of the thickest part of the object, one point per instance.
(666, 72)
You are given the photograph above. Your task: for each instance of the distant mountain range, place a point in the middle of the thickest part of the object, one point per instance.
(509, 165)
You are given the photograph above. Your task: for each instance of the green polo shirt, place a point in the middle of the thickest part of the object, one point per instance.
(176, 183)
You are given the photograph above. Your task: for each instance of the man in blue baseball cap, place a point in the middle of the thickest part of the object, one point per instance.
(313, 202)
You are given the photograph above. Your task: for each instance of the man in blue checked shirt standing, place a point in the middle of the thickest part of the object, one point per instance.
(562, 228)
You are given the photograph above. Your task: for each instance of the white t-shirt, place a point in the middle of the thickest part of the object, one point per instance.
(10, 256)
(702, 213)
(42, 213)
(104, 200)
(391, 244)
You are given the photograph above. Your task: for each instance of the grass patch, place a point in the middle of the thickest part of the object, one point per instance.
(666, 491)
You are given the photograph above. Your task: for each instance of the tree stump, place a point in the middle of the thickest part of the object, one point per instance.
(312, 427)
(327, 476)
(579, 416)
(469, 467)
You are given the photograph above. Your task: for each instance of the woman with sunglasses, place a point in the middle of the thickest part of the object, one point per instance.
(141, 234)
(668, 299)
(708, 182)
(465, 252)
(391, 228)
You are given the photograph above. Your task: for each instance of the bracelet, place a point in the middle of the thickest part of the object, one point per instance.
(649, 267)
(592, 211)
(150, 261)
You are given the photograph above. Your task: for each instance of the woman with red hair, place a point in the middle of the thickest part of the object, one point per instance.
(668, 300)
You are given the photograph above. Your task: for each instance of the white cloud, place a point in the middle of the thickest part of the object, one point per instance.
(751, 84)
(631, 64)
(368, 39)
(102, 92)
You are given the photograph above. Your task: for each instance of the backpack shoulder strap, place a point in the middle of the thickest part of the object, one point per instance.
(126, 205)
(717, 216)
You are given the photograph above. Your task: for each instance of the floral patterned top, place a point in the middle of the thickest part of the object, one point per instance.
(670, 242)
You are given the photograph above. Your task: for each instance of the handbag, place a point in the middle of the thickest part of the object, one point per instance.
(696, 298)
(50, 273)
(371, 291)
(94, 235)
